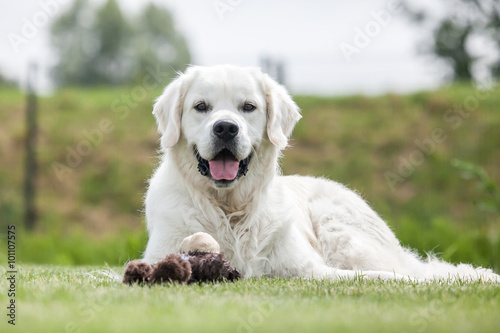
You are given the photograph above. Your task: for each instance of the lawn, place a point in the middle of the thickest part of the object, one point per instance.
(82, 299)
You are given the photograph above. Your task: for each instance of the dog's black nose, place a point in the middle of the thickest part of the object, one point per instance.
(225, 129)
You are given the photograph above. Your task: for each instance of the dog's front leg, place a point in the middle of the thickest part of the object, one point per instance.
(164, 241)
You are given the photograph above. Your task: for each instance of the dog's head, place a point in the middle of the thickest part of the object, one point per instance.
(224, 114)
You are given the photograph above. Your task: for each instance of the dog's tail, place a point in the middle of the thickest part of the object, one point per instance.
(435, 269)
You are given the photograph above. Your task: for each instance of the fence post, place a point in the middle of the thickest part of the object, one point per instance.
(30, 161)
(274, 68)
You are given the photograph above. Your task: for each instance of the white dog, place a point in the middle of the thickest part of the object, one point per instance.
(223, 129)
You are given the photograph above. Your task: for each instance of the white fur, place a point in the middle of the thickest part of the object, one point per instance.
(265, 223)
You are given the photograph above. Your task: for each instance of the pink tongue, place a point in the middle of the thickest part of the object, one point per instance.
(224, 168)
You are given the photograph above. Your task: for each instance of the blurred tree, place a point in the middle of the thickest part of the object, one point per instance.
(111, 63)
(159, 42)
(74, 46)
(104, 47)
(462, 21)
(450, 41)
(494, 30)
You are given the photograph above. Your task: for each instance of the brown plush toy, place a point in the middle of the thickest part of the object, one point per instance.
(200, 264)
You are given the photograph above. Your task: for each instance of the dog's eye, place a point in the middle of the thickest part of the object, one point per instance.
(248, 107)
(202, 107)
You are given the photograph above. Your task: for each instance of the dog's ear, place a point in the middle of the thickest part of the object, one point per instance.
(168, 113)
(282, 113)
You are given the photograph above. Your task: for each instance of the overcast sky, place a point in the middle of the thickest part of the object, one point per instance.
(308, 36)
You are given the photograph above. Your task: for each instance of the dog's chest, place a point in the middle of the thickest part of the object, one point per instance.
(241, 241)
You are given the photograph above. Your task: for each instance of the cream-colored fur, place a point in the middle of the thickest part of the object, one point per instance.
(265, 223)
(200, 241)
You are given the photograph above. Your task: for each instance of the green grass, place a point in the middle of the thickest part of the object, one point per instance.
(78, 247)
(80, 299)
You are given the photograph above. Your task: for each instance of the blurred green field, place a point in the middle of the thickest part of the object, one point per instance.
(81, 299)
(90, 202)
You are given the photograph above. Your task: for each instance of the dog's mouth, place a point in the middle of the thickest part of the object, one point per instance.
(224, 167)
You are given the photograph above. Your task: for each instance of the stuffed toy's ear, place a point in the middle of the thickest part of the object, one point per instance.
(168, 113)
(282, 113)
